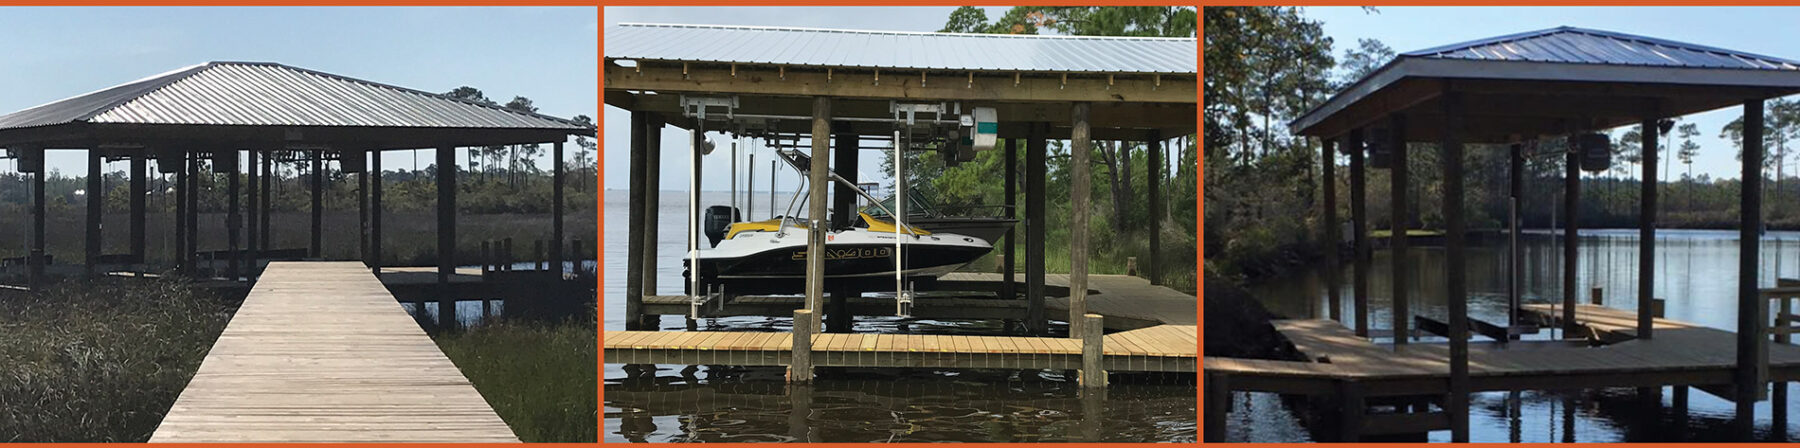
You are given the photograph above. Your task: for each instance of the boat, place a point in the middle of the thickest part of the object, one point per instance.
(769, 257)
(925, 215)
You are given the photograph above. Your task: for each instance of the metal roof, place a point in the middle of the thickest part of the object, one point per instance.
(1587, 46)
(269, 94)
(901, 50)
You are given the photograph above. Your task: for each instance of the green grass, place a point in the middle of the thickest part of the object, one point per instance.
(100, 362)
(540, 377)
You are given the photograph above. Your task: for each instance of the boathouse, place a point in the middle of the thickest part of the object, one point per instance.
(1539, 95)
(836, 90)
(270, 113)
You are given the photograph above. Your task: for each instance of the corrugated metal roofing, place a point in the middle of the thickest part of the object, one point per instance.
(1587, 46)
(901, 50)
(267, 94)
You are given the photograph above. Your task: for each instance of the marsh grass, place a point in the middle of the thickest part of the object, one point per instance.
(100, 362)
(539, 376)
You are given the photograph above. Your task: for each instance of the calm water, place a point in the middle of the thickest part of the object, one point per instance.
(1696, 271)
(735, 404)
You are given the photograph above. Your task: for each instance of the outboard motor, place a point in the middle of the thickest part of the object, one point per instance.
(718, 219)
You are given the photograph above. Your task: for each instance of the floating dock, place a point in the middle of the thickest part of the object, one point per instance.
(321, 352)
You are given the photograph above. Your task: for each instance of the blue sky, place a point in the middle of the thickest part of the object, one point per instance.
(549, 55)
(1762, 30)
(717, 173)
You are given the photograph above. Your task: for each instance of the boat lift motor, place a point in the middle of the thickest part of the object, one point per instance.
(718, 220)
(1596, 151)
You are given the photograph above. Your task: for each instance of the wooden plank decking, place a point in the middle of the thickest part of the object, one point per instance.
(320, 352)
(1681, 354)
(1167, 348)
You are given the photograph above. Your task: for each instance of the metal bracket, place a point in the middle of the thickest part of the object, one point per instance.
(696, 106)
(908, 112)
(903, 303)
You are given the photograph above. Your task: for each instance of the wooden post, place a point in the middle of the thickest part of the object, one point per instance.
(1328, 169)
(193, 213)
(140, 173)
(1359, 228)
(1351, 407)
(251, 185)
(1080, 151)
(843, 201)
(1597, 296)
(1647, 232)
(1752, 355)
(181, 209)
(1218, 409)
(1008, 259)
(1397, 237)
(556, 206)
(1455, 260)
(1515, 260)
(96, 197)
(318, 198)
(1571, 241)
(800, 369)
(634, 241)
(1036, 322)
(375, 209)
(446, 233)
(1778, 390)
(652, 208)
(234, 221)
(36, 261)
(1093, 353)
(268, 195)
(1154, 162)
(817, 184)
(362, 208)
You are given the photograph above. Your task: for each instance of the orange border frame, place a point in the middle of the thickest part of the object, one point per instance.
(600, 159)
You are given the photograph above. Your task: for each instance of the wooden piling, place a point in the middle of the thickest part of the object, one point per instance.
(1597, 296)
(375, 211)
(1359, 228)
(556, 205)
(1456, 262)
(1752, 352)
(181, 208)
(1351, 407)
(1008, 258)
(817, 184)
(1647, 230)
(317, 249)
(37, 256)
(1571, 241)
(1154, 160)
(845, 157)
(446, 233)
(191, 251)
(1093, 351)
(251, 243)
(234, 220)
(140, 173)
(652, 210)
(1036, 322)
(1398, 225)
(1334, 299)
(634, 241)
(800, 369)
(1080, 164)
(268, 195)
(96, 197)
(1217, 397)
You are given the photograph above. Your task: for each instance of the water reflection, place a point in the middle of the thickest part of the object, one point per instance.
(1696, 272)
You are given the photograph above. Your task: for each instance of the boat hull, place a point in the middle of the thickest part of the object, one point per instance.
(858, 262)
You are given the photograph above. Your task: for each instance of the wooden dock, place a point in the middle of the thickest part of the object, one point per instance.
(1155, 332)
(1166, 348)
(1349, 367)
(320, 352)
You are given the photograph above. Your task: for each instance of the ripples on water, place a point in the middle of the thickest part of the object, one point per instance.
(1696, 270)
(738, 404)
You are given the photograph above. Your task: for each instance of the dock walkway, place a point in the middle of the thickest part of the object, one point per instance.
(321, 352)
